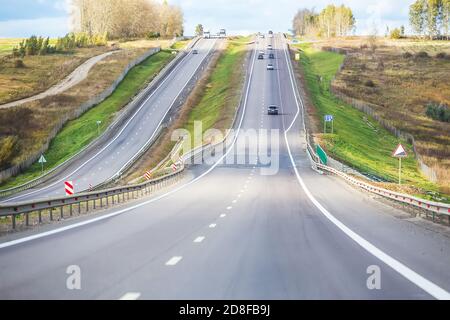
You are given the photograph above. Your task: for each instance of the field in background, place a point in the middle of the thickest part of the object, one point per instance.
(400, 78)
(358, 140)
(39, 72)
(7, 44)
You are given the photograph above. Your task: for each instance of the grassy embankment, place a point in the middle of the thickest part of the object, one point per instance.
(358, 140)
(79, 132)
(213, 102)
(400, 78)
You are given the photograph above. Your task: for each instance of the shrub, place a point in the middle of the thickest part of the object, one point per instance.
(407, 55)
(369, 83)
(440, 112)
(396, 34)
(19, 63)
(442, 55)
(422, 55)
(8, 146)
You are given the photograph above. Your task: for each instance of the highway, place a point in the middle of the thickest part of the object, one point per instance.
(230, 232)
(102, 161)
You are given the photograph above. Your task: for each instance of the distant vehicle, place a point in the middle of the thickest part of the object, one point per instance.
(270, 66)
(206, 34)
(261, 36)
(194, 51)
(270, 32)
(260, 57)
(271, 56)
(272, 110)
(261, 52)
(269, 46)
(222, 33)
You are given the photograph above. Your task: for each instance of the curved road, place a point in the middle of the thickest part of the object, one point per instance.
(99, 163)
(231, 232)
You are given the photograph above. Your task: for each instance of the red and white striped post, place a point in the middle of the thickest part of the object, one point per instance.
(68, 186)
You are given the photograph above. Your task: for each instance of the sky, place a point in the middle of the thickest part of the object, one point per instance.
(22, 18)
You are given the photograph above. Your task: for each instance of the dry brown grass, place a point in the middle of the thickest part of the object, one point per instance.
(32, 123)
(403, 85)
(39, 72)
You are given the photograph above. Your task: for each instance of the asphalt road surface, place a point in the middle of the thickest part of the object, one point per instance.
(103, 162)
(231, 232)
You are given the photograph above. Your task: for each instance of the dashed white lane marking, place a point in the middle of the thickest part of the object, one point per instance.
(199, 239)
(223, 215)
(229, 208)
(239, 195)
(173, 261)
(234, 201)
(212, 225)
(130, 296)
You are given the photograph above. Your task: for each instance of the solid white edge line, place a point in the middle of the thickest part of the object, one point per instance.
(130, 296)
(423, 283)
(113, 214)
(120, 132)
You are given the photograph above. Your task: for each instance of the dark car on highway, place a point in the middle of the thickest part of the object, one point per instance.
(272, 110)
(261, 57)
(271, 56)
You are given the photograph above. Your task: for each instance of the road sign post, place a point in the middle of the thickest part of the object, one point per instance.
(98, 126)
(400, 153)
(326, 119)
(42, 160)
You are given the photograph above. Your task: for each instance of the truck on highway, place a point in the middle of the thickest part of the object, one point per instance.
(206, 34)
(222, 33)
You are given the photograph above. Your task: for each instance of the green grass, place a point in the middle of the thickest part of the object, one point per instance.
(180, 44)
(78, 133)
(219, 100)
(358, 140)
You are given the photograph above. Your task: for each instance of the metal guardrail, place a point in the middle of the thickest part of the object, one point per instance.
(84, 201)
(434, 207)
(136, 101)
(429, 206)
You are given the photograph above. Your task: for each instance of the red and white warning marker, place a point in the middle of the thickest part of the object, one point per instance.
(400, 152)
(68, 186)
(148, 175)
(174, 167)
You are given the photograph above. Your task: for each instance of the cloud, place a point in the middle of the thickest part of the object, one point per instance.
(234, 15)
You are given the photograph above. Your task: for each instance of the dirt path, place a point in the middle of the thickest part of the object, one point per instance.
(78, 75)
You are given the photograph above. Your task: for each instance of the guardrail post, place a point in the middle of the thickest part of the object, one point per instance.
(70, 209)
(101, 202)
(27, 219)
(79, 207)
(13, 220)
(87, 205)
(40, 216)
(51, 214)
(61, 211)
(94, 204)
(107, 201)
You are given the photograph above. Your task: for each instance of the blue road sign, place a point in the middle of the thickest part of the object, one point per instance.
(328, 118)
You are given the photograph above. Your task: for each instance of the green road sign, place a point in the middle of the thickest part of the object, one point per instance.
(322, 155)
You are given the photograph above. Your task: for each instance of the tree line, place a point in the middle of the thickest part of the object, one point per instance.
(127, 19)
(332, 21)
(430, 18)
